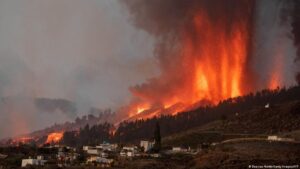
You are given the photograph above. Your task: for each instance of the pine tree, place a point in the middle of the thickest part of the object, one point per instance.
(157, 138)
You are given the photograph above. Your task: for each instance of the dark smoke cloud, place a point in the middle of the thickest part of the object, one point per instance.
(163, 17)
(167, 20)
(298, 78)
(53, 105)
(296, 32)
(296, 25)
(270, 51)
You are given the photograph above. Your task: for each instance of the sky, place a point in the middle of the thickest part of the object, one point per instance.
(84, 51)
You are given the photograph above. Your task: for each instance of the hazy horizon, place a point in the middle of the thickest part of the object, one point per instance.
(84, 51)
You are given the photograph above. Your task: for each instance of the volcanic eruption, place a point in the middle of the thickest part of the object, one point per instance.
(206, 51)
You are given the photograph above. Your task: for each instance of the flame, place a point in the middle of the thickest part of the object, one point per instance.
(54, 137)
(211, 63)
(23, 140)
(219, 60)
(140, 109)
(277, 68)
(274, 81)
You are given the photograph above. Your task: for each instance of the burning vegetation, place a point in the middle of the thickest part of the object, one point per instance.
(54, 137)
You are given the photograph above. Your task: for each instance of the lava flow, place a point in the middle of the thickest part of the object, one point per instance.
(54, 137)
(209, 62)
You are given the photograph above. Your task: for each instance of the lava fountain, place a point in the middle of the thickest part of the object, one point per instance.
(204, 51)
(203, 58)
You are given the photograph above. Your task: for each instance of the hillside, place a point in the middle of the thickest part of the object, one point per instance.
(278, 119)
(245, 114)
(242, 154)
(230, 118)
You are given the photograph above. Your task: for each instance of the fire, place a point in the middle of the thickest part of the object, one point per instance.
(212, 62)
(54, 137)
(219, 58)
(141, 109)
(277, 69)
(23, 140)
(205, 60)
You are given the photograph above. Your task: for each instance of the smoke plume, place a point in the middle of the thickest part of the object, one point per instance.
(82, 51)
(212, 50)
(296, 32)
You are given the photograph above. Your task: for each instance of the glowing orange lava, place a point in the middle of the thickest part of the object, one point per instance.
(23, 140)
(275, 79)
(219, 58)
(54, 137)
(211, 66)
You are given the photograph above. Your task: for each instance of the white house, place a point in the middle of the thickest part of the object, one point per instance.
(129, 151)
(130, 154)
(132, 148)
(2, 156)
(147, 145)
(123, 153)
(26, 162)
(273, 138)
(100, 160)
(176, 149)
(104, 155)
(107, 147)
(267, 105)
(276, 138)
(93, 151)
(86, 148)
(179, 149)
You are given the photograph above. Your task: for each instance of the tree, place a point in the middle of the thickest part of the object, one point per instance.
(157, 138)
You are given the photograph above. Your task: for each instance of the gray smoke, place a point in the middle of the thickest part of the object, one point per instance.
(82, 51)
(274, 46)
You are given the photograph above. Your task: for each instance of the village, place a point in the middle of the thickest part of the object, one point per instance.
(103, 155)
(108, 155)
(117, 155)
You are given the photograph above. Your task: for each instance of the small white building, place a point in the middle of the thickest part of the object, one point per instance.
(131, 151)
(104, 155)
(26, 162)
(155, 155)
(273, 138)
(147, 145)
(107, 147)
(99, 160)
(132, 148)
(2, 156)
(276, 138)
(176, 149)
(86, 148)
(130, 154)
(93, 151)
(267, 105)
(179, 149)
(123, 154)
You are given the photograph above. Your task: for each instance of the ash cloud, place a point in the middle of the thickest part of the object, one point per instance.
(166, 20)
(274, 49)
(271, 48)
(53, 105)
(82, 51)
(296, 32)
